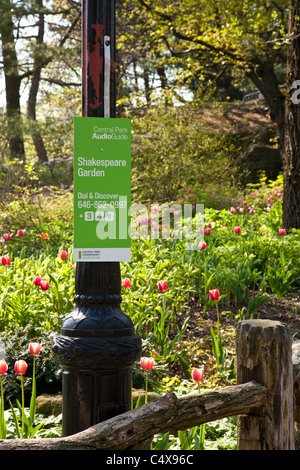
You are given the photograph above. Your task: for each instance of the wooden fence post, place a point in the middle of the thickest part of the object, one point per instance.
(264, 354)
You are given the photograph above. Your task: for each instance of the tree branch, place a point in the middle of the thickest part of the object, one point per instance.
(132, 429)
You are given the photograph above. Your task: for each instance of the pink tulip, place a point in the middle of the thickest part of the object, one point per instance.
(202, 245)
(281, 231)
(251, 211)
(214, 294)
(232, 210)
(5, 260)
(44, 285)
(21, 233)
(197, 375)
(245, 203)
(63, 255)
(162, 286)
(3, 367)
(237, 229)
(6, 237)
(20, 367)
(34, 348)
(37, 280)
(147, 363)
(126, 283)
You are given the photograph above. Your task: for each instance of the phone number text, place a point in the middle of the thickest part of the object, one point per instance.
(102, 204)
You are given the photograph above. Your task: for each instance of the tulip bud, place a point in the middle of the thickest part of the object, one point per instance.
(162, 286)
(5, 260)
(37, 280)
(214, 294)
(237, 229)
(281, 231)
(202, 245)
(63, 255)
(126, 283)
(20, 367)
(6, 237)
(44, 285)
(34, 348)
(147, 363)
(21, 233)
(3, 367)
(197, 375)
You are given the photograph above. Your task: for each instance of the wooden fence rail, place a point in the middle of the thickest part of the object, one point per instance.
(265, 401)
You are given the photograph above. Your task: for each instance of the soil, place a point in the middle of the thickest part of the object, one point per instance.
(285, 310)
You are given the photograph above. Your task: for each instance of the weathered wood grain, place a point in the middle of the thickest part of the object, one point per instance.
(132, 429)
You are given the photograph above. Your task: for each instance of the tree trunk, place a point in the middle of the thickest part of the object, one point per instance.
(264, 78)
(12, 82)
(35, 81)
(291, 150)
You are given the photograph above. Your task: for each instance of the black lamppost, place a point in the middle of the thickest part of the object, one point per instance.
(97, 345)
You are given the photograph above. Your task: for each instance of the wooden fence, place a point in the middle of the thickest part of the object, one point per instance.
(266, 400)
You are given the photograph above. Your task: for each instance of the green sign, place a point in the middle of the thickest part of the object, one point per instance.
(102, 189)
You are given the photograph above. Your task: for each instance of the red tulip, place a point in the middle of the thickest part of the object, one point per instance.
(202, 245)
(251, 211)
(34, 348)
(281, 231)
(207, 231)
(20, 367)
(3, 367)
(126, 283)
(37, 280)
(63, 255)
(6, 237)
(21, 233)
(147, 363)
(44, 285)
(214, 294)
(237, 229)
(245, 203)
(5, 260)
(232, 210)
(162, 286)
(197, 375)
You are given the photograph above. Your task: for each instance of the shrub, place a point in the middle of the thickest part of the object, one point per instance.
(173, 149)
